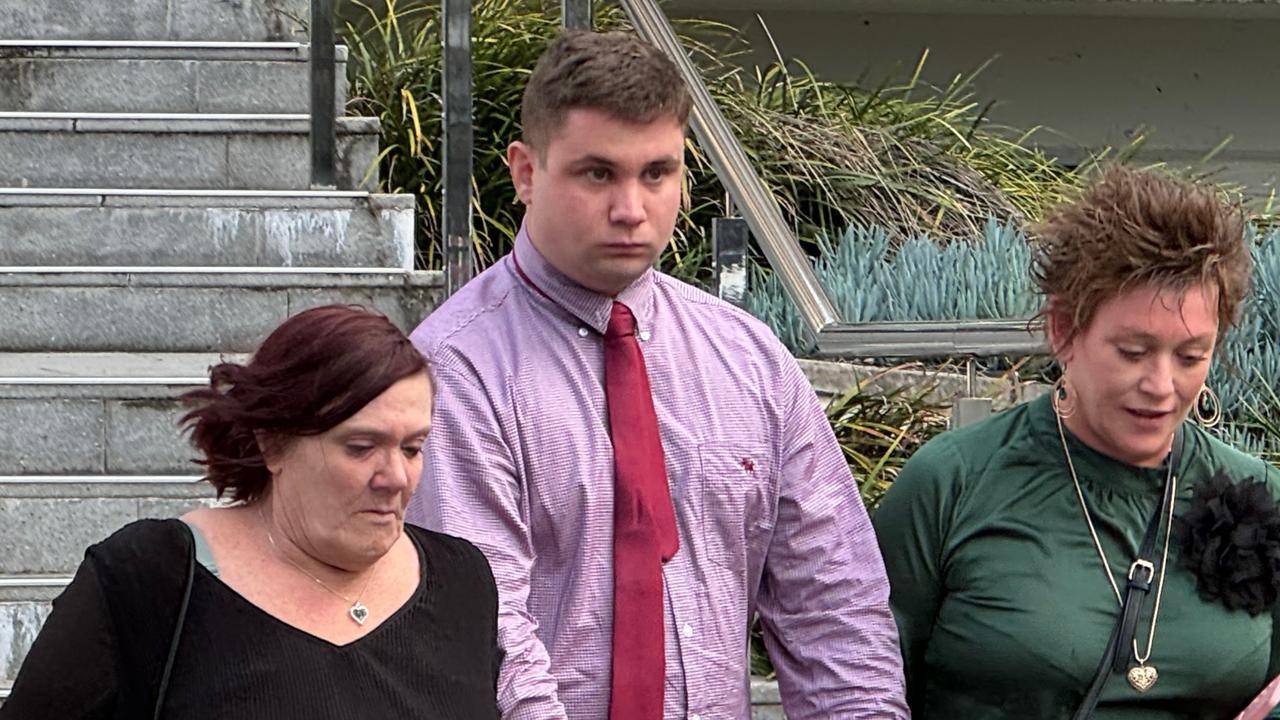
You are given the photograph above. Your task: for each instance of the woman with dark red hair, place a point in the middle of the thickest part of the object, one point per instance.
(307, 596)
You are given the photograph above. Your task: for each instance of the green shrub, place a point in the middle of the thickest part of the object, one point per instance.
(907, 157)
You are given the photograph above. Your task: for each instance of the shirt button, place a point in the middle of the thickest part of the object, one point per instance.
(644, 335)
(583, 332)
(695, 716)
(687, 630)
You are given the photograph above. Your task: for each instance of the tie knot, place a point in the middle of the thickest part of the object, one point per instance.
(621, 322)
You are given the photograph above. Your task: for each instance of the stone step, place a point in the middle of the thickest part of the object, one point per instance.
(766, 701)
(244, 20)
(125, 77)
(88, 414)
(68, 416)
(161, 150)
(24, 605)
(71, 369)
(189, 309)
(47, 522)
(91, 227)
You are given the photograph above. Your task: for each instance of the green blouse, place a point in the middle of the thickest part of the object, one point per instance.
(1002, 604)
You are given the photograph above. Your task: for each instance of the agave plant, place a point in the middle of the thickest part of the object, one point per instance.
(1264, 417)
(870, 278)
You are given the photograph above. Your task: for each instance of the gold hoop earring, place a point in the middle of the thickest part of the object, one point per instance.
(1205, 399)
(1059, 398)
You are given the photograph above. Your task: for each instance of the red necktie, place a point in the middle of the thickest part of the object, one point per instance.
(644, 526)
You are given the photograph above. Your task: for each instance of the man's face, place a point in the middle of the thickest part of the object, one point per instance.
(601, 198)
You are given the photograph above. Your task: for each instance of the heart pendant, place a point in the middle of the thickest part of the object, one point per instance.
(1143, 677)
(360, 613)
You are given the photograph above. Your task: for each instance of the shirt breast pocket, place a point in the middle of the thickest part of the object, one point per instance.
(738, 507)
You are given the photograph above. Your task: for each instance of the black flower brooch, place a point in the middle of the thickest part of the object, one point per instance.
(1231, 542)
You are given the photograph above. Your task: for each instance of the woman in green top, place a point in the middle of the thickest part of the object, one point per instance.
(1009, 543)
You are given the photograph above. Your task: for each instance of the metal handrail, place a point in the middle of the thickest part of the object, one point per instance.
(323, 71)
(924, 339)
(457, 122)
(834, 337)
(759, 208)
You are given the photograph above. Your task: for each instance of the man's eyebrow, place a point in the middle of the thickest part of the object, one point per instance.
(666, 162)
(600, 160)
(592, 160)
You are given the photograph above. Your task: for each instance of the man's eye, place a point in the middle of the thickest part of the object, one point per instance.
(358, 450)
(411, 451)
(598, 174)
(1131, 354)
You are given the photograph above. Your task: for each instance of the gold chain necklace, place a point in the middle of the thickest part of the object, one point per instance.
(358, 611)
(1142, 676)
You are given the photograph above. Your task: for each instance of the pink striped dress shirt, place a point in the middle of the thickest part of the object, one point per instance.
(770, 520)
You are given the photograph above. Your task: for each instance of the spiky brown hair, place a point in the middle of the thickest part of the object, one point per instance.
(615, 72)
(1132, 228)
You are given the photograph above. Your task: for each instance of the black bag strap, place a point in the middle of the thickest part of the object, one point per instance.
(174, 641)
(1141, 573)
(1115, 659)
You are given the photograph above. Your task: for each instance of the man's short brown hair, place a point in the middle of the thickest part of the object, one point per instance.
(1133, 228)
(615, 72)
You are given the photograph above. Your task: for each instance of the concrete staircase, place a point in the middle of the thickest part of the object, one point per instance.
(154, 217)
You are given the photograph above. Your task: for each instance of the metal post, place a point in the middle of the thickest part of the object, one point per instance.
(459, 141)
(576, 14)
(730, 240)
(324, 140)
(971, 409)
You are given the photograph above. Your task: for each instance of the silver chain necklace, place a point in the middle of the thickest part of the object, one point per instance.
(1142, 676)
(358, 611)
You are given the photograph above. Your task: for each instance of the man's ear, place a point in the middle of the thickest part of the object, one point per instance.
(520, 159)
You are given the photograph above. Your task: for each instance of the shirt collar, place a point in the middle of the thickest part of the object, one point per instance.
(588, 306)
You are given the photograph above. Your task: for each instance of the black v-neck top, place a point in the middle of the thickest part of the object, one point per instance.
(436, 658)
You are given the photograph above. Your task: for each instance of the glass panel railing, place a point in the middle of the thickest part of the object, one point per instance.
(834, 336)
